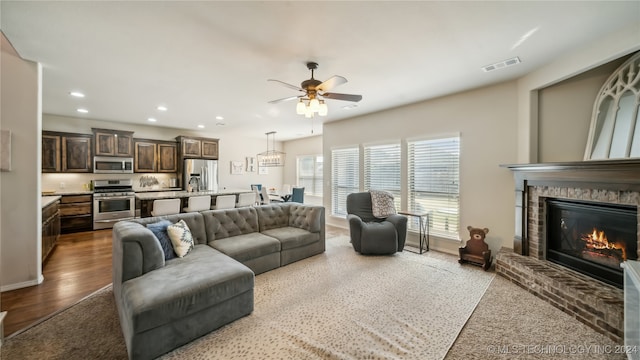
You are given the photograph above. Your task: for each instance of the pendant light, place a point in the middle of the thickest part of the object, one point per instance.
(271, 158)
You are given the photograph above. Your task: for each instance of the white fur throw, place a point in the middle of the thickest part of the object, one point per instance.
(382, 203)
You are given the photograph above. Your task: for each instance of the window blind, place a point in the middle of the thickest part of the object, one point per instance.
(310, 169)
(345, 178)
(433, 183)
(382, 170)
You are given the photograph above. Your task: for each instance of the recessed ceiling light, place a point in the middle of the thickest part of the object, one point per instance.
(162, 108)
(84, 111)
(219, 117)
(201, 126)
(76, 94)
(151, 120)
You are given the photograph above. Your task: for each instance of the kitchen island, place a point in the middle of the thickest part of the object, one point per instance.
(146, 199)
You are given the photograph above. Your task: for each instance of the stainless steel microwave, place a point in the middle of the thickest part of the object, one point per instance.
(112, 165)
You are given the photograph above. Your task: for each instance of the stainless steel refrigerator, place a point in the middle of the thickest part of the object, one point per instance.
(200, 175)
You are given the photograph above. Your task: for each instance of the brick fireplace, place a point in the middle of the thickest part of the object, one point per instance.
(591, 301)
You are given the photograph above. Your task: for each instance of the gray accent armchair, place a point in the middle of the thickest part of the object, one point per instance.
(371, 235)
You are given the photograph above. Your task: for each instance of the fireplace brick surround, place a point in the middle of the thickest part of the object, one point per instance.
(594, 303)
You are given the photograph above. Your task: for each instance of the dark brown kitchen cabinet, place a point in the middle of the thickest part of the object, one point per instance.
(51, 153)
(145, 155)
(50, 228)
(76, 213)
(66, 152)
(113, 142)
(195, 147)
(167, 157)
(210, 149)
(76, 153)
(155, 156)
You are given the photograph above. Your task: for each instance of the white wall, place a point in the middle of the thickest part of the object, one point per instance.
(294, 148)
(231, 149)
(579, 60)
(486, 121)
(20, 209)
(565, 111)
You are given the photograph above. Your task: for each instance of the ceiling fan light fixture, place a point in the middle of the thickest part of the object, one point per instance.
(314, 104)
(308, 112)
(301, 108)
(324, 109)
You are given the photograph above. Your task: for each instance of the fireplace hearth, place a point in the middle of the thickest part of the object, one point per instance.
(612, 185)
(591, 238)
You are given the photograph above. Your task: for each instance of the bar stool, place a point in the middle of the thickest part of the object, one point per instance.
(246, 199)
(225, 202)
(198, 203)
(165, 207)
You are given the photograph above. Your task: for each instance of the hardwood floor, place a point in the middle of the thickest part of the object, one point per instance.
(79, 265)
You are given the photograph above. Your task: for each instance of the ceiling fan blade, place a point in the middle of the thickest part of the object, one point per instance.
(283, 99)
(345, 97)
(330, 83)
(287, 85)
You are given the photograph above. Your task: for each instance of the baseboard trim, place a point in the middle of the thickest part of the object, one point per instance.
(23, 284)
(2, 315)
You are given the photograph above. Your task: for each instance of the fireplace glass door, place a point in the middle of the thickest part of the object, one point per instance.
(592, 238)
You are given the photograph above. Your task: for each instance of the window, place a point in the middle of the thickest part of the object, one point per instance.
(382, 169)
(433, 183)
(344, 178)
(310, 174)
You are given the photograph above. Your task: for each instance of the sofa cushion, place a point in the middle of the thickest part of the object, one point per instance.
(248, 246)
(306, 217)
(221, 224)
(181, 238)
(159, 229)
(273, 216)
(183, 286)
(194, 220)
(291, 237)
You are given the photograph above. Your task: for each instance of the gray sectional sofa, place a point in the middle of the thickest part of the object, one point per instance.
(164, 305)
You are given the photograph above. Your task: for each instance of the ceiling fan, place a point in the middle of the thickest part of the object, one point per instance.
(314, 92)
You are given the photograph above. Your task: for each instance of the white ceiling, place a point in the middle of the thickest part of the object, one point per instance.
(203, 59)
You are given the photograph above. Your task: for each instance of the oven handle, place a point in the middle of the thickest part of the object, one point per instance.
(115, 198)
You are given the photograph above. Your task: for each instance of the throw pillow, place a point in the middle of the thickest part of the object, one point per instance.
(382, 203)
(181, 238)
(159, 229)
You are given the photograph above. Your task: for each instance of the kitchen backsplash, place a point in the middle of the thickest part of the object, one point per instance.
(80, 182)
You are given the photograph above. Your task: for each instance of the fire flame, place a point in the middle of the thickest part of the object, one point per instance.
(598, 240)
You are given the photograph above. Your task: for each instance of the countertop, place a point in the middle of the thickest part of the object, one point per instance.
(48, 200)
(69, 192)
(183, 193)
(151, 189)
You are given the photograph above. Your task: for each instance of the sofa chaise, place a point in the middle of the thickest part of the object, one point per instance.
(165, 304)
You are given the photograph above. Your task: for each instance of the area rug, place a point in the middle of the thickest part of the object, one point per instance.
(337, 305)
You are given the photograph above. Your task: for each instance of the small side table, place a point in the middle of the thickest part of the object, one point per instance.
(423, 235)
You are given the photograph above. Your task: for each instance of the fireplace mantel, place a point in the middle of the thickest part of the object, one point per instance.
(607, 175)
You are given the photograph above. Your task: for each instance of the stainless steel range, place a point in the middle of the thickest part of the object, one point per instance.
(113, 200)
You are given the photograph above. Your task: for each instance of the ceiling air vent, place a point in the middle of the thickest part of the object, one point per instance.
(501, 64)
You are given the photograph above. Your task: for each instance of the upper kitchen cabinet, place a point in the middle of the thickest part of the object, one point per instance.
(195, 147)
(76, 153)
(113, 142)
(145, 158)
(66, 152)
(51, 153)
(167, 157)
(155, 156)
